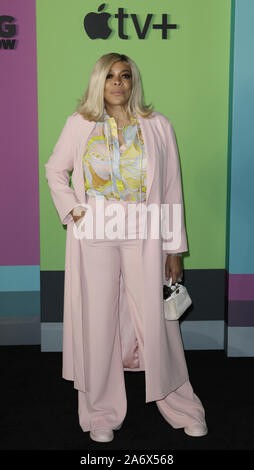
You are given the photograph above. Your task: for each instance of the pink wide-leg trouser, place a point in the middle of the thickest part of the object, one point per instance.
(105, 405)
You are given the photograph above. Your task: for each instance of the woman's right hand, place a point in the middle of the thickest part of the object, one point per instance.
(78, 210)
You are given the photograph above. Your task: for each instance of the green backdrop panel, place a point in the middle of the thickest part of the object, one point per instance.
(186, 77)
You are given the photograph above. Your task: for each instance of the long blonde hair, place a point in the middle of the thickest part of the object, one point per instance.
(91, 105)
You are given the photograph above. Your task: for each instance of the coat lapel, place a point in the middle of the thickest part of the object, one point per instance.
(147, 137)
(77, 175)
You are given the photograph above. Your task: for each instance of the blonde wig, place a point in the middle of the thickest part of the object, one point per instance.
(91, 105)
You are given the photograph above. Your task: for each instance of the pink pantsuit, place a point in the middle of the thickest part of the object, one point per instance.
(113, 304)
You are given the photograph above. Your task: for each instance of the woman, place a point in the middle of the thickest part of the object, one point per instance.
(124, 153)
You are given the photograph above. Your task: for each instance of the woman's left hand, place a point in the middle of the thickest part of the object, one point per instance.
(174, 268)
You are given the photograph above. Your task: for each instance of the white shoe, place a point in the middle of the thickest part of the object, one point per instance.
(102, 435)
(118, 427)
(196, 430)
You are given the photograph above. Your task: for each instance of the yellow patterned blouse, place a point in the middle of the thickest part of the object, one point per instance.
(113, 171)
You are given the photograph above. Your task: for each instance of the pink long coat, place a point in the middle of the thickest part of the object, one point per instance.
(165, 366)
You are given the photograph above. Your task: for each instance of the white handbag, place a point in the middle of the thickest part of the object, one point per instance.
(177, 302)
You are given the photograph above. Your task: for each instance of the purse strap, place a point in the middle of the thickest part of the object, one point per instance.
(170, 283)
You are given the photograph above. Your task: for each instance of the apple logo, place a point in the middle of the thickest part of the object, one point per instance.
(96, 25)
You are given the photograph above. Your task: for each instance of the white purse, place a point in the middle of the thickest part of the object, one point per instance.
(177, 302)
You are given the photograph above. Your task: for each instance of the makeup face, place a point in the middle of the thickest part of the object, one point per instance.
(118, 84)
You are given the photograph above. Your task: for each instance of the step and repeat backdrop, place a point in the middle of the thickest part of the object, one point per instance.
(195, 59)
